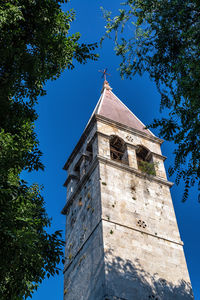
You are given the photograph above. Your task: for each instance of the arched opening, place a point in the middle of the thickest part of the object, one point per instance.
(145, 160)
(118, 150)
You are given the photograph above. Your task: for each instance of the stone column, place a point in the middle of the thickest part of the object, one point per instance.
(131, 149)
(103, 145)
(158, 160)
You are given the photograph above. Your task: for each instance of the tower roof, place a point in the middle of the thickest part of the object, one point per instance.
(111, 107)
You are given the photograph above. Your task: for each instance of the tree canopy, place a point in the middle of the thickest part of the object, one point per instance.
(162, 39)
(35, 46)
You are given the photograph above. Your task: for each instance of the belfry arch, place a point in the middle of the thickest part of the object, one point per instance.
(118, 149)
(145, 160)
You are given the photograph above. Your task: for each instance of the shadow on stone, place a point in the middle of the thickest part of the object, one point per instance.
(126, 280)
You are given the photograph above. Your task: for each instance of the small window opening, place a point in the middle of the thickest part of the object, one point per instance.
(89, 151)
(145, 160)
(77, 170)
(118, 150)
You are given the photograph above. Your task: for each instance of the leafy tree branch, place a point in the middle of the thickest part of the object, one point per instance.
(162, 39)
(35, 46)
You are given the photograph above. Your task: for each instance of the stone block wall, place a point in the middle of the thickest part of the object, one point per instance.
(84, 279)
(84, 265)
(83, 215)
(144, 256)
(142, 267)
(137, 201)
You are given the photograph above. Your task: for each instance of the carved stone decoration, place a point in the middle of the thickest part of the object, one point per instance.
(141, 224)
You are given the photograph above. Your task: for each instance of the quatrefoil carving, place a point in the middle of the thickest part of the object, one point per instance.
(142, 224)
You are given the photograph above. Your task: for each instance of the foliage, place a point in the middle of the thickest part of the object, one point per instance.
(27, 251)
(34, 47)
(147, 167)
(162, 38)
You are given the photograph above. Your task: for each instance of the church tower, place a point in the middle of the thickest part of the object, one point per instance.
(122, 238)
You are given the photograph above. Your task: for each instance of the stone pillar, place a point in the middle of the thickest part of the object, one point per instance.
(103, 145)
(158, 160)
(132, 160)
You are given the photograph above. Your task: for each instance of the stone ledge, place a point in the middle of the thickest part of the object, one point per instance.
(133, 170)
(139, 230)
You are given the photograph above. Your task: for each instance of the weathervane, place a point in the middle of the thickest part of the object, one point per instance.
(104, 73)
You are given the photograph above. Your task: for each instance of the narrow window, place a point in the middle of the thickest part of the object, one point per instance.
(89, 151)
(118, 150)
(77, 171)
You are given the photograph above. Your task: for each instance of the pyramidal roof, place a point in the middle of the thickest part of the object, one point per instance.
(110, 107)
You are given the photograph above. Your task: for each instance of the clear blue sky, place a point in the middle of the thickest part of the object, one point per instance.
(63, 114)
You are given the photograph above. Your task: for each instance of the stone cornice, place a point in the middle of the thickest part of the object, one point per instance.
(145, 232)
(119, 165)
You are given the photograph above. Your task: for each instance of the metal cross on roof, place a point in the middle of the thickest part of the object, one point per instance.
(104, 73)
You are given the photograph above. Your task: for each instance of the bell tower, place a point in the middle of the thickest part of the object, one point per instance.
(122, 238)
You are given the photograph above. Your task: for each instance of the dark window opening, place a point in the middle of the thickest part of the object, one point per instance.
(118, 150)
(77, 171)
(89, 151)
(145, 160)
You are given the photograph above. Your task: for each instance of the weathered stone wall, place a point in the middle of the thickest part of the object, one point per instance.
(137, 201)
(84, 279)
(84, 242)
(144, 257)
(142, 267)
(83, 214)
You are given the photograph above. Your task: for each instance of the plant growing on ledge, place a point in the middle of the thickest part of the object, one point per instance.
(147, 167)
(145, 160)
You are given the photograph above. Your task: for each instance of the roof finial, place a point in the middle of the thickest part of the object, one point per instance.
(104, 73)
(105, 84)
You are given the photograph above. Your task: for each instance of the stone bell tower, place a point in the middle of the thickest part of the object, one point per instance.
(122, 239)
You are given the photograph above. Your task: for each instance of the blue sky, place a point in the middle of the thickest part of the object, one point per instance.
(63, 114)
